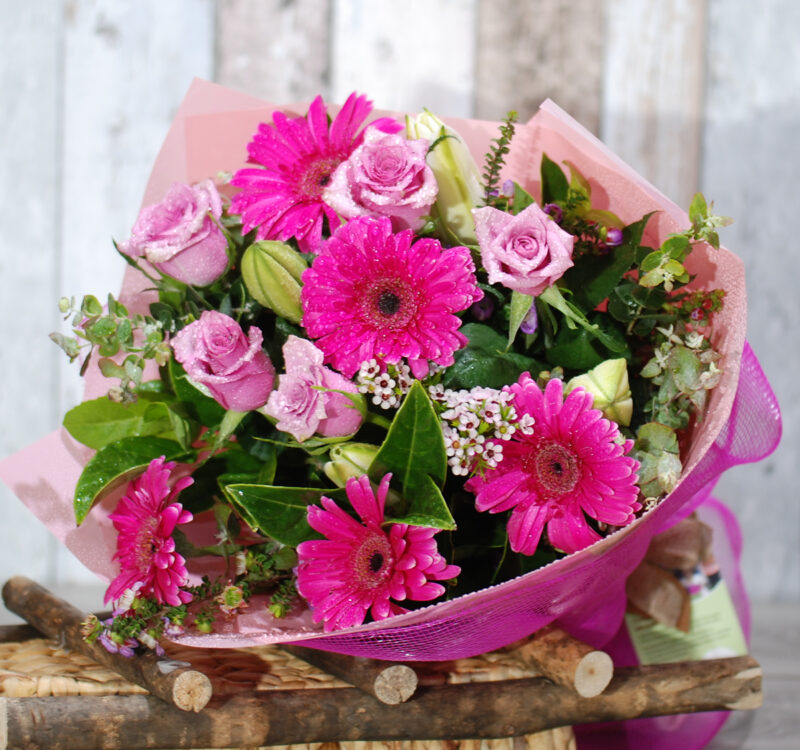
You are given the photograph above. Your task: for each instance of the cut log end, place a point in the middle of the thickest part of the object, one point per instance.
(191, 691)
(395, 684)
(593, 673)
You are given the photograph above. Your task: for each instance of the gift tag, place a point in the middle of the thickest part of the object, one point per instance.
(714, 632)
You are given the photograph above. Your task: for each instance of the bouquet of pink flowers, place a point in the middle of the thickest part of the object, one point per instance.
(393, 383)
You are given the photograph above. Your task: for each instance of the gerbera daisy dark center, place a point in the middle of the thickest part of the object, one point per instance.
(389, 303)
(376, 562)
(317, 175)
(554, 467)
(373, 560)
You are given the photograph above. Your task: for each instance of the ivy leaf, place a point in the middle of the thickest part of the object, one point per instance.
(116, 464)
(279, 512)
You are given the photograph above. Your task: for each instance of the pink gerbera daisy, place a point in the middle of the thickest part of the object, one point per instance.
(571, 464)
(298, 156)
(361, 566)
(145, 519)
(372, 294)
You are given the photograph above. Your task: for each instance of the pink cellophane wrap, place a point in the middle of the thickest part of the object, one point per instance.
(585, 591)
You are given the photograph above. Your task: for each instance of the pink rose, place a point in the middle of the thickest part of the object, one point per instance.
(527, 252)
(386, 176)
(215, 353)
(299, 404)
(179, 237)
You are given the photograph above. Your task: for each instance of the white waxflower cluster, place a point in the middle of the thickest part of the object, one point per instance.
(386, 388)
(475, 423)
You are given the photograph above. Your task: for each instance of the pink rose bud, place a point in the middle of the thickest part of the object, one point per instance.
(306, 402)
(215, 353)
(179, 236)
(527, 252)
(386, 176)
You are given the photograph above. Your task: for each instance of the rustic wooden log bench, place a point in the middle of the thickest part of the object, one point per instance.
(55, 695)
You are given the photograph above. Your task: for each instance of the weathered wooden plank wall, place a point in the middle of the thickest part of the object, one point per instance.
(693, 93)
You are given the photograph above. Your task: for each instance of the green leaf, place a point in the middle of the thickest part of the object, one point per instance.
(605, 218)
(206, 409)
(651, 261)
(573, 349)
(485, 360)
(426, 507)
(414, 445)
(279, 512)
(100, 422)
(594, 277)
(414, 453)
(577, 181)
(522, 199)
(520, 307)
(553, 297)
(116, 464)
(676, 246)
(698, 209)
(554, 182)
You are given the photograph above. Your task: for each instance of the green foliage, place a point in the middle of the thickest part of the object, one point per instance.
(414, 453)
(115, 465)
(555, 185)
(280, 513)
(99, 422)
(486, 360)
(657, 451)
(496, 157)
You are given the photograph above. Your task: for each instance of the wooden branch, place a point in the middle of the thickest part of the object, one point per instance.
(567, 661)
(174, 682)
(18, 633)
(508, 708)
(390, 683)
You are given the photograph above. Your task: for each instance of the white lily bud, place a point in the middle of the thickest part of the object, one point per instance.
(456, 173)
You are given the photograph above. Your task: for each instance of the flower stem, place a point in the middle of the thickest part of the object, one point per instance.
(378, 420)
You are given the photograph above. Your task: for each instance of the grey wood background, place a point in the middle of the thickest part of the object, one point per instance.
(693, 93)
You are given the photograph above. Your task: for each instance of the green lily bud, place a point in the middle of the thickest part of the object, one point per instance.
(349, 460)
(271, 271)
(456, 173)
(608, 383)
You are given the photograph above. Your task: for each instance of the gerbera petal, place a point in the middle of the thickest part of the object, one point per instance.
(145, 519)
(570, 532)
(364, 571)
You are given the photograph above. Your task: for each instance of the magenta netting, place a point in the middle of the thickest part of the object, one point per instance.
(583, 592)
